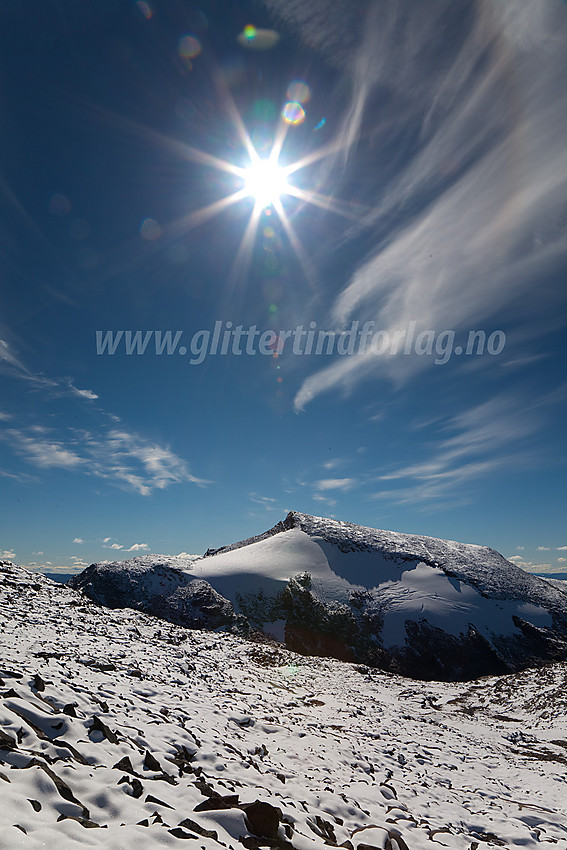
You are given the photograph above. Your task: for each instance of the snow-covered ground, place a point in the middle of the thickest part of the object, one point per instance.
(122, 731)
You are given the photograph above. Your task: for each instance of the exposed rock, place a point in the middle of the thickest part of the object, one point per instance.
(151, 799)
(61, 786)
(98, 726)
(157, 586)
(180, 833)
(217, 803)
(38, 683)
(85, 822)
(323, 829)
(150, 762)
(263, 819)
(7, 742)
(200, 830)
(124, 764)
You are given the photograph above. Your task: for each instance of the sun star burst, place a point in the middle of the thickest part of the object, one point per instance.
(266, 181)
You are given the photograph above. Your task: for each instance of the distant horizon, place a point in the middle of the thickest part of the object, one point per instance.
(127, 555)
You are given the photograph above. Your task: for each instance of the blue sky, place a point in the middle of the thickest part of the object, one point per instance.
(425, 200)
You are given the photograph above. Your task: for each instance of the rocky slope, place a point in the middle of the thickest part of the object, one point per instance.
(158, 586)
(121, 731)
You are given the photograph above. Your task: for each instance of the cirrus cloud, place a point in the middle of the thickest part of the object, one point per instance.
(470, 224)
(123, 458)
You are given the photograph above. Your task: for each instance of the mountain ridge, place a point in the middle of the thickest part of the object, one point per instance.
(421, 606)
(402, 545)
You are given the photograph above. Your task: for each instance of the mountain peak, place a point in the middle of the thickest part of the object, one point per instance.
(423, 606)
(481, 566)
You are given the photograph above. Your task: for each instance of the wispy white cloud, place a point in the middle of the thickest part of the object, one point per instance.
(49, 567)
(318, 497)
(121, 457)
(18, 476)
(88, 394)
(377, 417)
(9, 361)
(520, 362)
(335, 484)
(12, 364)
(78, 540)
(267, 501)
(334, 463)
(531, 566)
(135, 462)
(41, 450)
(135, 547)
(478, 442)
(481, 201)
(7, 554)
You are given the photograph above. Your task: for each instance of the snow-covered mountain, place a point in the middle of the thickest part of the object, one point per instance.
(427, 608)
(120, 731)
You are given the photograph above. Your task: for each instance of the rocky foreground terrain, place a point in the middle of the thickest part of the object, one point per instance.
(121, 731)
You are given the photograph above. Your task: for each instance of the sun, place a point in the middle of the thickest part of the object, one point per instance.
(266, 181)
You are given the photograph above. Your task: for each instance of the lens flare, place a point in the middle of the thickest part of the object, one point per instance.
(144, 9)
(293, 113)
(258, 39)
(298, 91)
(150, 229)
(59, 205)
(189, 47)
(262, 138)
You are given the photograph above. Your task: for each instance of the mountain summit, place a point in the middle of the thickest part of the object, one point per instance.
(420, 606)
